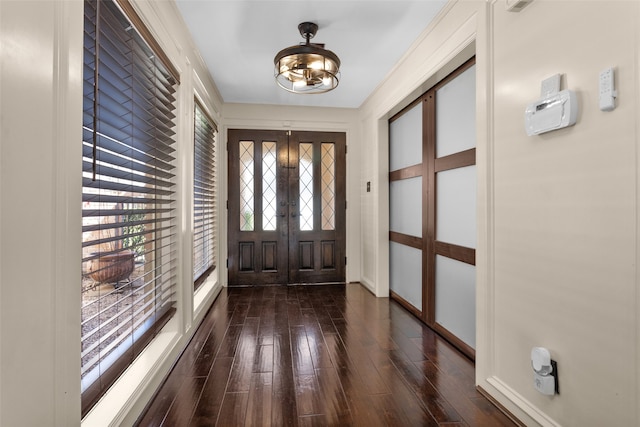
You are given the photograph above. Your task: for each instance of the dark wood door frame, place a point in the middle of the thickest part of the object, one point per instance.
(288, 254)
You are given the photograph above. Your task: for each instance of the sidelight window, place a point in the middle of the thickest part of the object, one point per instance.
(269, 189)
(305, 165)
(328, 186)
(247, 191)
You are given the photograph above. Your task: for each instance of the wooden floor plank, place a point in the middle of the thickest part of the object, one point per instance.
(284, 406)
(234, 409)
(244, 359)
(157, 411)
(208, 406)
(308, 398)
(259, 400)
(185, 402)
(331, 355)
(431, 399)
(300, 352)
(332, 396)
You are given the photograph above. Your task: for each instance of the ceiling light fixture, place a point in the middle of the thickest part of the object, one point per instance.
(309, 67)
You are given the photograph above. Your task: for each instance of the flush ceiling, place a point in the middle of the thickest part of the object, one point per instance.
(238, 40)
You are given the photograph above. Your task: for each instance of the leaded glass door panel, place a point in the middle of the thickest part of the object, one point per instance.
(286, 207)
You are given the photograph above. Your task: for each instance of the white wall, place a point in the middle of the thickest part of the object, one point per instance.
(277, 117)
(565, 213)
(40, 255)
(40, 215)
(557, 214)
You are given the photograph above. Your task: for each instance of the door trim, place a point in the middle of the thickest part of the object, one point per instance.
(324, 249)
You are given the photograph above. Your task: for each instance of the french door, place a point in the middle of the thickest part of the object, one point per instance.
(286, 207)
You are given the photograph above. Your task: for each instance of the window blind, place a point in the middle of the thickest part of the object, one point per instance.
(128, 195)
(204, 196)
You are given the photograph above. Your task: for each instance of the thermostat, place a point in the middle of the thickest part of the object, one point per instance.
(551, 112)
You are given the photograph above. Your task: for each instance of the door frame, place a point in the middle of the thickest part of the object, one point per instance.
(324, 244)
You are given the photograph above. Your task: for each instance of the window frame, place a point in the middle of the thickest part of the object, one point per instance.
(200, 274)
(140, 160)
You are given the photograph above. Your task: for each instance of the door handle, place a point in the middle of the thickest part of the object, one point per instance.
(282, 215)
(293, 214)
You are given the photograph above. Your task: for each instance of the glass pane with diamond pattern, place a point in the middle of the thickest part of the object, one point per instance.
(269, 186)
(328, 186)
(305, 165)
(247, 189)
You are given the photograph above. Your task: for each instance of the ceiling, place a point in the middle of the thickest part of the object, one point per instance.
(238, 40)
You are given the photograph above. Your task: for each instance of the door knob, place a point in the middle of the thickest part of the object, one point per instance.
(293, 214)
(282, 215)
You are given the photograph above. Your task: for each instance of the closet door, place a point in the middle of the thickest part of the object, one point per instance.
(405, 208)
(432, 207)
(453, 183)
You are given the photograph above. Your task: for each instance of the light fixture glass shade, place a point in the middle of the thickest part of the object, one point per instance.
(307, 68)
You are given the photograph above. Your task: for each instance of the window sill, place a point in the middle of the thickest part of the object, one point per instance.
(206, 293)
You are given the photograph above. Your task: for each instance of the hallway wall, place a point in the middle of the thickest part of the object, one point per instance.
(557, 213)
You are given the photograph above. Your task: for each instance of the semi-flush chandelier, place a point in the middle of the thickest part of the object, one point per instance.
(309, 67)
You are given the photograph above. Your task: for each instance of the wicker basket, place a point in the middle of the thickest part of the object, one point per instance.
(112, 268)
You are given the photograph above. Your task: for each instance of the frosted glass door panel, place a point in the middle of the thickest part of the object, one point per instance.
(456, 114)
(405, 206)
(406, 273)
(456, 298)
(456, 206)
(405, 139)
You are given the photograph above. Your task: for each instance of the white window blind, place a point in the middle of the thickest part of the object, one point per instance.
(128, 201)
(204, 197)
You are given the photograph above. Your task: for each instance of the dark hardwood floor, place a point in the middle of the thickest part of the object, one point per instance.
(317, 356)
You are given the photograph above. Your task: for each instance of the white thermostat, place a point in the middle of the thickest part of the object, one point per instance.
(551, 112)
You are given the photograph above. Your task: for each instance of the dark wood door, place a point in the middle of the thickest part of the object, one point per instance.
(287, 201)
